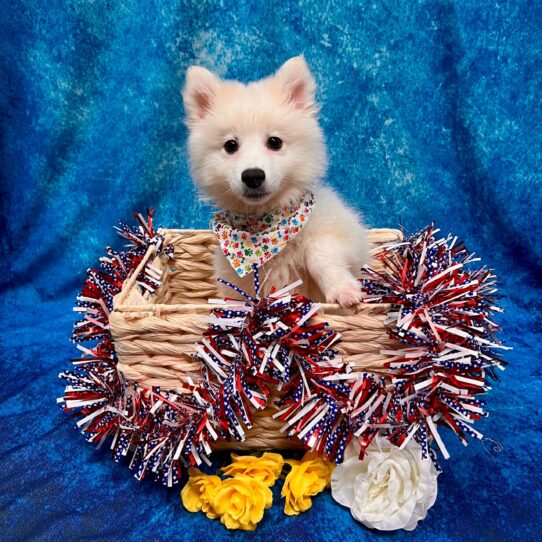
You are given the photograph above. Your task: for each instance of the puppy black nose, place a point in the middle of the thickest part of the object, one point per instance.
(253, 177)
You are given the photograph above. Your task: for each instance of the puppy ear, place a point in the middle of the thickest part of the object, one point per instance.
(298, 84)
(199, 91)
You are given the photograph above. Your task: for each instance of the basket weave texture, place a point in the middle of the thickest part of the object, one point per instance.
(155, 334)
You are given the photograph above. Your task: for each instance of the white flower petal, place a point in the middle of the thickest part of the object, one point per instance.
(342, 480)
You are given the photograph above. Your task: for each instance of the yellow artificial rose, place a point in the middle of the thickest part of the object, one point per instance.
(198, 493)
(307, 478)
(240, 502)
(266, 468)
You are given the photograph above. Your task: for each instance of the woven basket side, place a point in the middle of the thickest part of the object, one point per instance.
(155, 335)
(190, 277)
(156, 350)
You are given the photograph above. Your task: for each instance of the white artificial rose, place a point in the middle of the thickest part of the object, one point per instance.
(390, 489)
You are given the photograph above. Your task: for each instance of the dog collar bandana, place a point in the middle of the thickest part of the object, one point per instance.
(248, 240)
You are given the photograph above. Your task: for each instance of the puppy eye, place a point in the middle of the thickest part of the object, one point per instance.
(231, 146)
(274, 143)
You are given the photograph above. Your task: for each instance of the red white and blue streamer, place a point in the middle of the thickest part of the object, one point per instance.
(159, 431)
(257, 344)
(442, 315)
(447, 353)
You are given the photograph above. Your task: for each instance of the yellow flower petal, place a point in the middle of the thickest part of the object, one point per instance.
(240, 502)
(307, 478)
(230, 522)
(266, 468)
(191, 498)
(198, 492)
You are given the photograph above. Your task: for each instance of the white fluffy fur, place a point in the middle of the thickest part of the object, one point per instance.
(333, 246)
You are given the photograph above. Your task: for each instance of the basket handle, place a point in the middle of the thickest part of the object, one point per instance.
(128, 285)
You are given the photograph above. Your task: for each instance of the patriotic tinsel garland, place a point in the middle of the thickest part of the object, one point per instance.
(151, 426)
(442, 312)
(265, 342)
(441, 315)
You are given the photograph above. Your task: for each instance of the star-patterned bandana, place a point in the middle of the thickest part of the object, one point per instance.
(248, 240)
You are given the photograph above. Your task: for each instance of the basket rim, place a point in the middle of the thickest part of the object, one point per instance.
(208, 230)
(327, 308)
(184, 230)
(161, 308)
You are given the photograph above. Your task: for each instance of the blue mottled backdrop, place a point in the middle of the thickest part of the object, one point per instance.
(432, 111)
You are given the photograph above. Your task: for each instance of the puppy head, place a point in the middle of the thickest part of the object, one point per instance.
(256, 146)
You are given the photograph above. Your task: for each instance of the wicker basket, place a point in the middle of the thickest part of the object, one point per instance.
(155, 334)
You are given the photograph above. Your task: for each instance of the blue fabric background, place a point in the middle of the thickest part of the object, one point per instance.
(431, 112)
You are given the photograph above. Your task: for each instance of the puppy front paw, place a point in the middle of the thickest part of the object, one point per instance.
(346, 293)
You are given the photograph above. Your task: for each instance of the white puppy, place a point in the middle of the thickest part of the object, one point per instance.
(257, 147)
